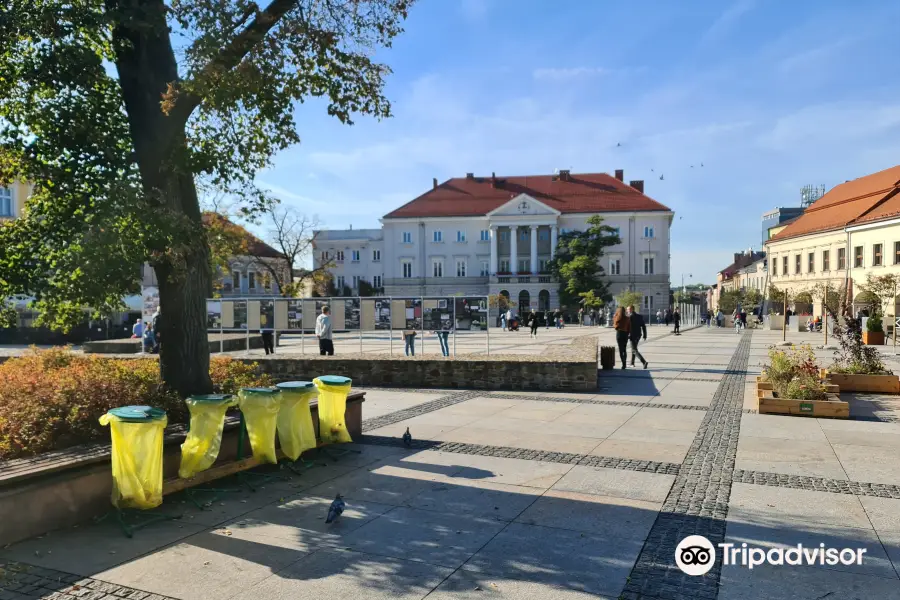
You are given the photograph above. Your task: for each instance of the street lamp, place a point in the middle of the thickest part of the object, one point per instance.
(683, 290)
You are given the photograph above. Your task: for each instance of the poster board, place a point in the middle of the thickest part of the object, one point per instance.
(281, 314)
(266, 314)
(471, 313)
(367, 313)
(309, 314)
(294, 310)
(213, 314)
(398, 314)
(337, 315)
(227, 314)
(149, 302)
(240, 314)
(437, 314)
(351, 314)
(253, 314)
(382, 314)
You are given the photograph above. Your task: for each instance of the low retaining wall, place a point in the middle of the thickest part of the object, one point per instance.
(233, 342)
(561, 368)
(60, 489)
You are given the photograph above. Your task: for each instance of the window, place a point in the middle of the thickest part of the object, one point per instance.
(376, 281)
(858, 256)
(648, 302)
(811, 263)
(407, 237)
(543, 234)
(648, 232)
(339, 256)
(236, 280)
(5, 202)
(796, 264)
(524, 265)
(784, 265)
(504, 236)
(897, 253)
(826, 260)
(324, 256)
(842, 259)
(774, 268)
(485, 268)
(407, 269)
(437, 236)
(356, 282)
(354, 256)
(461, 268)
(542, 265)
(485, 235)
(339, 284)
(617, 232)
(523, 235)
(615, 266)
(251, 280)
(876, 255)
(376, 255)
(504, 265)
(648, 265)
(460, 236)
(437, 268)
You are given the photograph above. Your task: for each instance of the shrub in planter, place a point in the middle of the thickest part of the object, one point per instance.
(52, 399)
(794, 374)
(853, 356)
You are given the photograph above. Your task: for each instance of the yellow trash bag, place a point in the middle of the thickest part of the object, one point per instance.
(260, 409)
(296, 433)
(333, 391)
(137, 455)
(201, 446)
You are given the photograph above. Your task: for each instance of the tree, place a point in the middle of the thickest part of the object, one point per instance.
(629, 298)
(291, 233)
(577, 262)
(590, 300)
(680, 296)
(751, 298)
(729, 301)
(114, 158)
(880, 291)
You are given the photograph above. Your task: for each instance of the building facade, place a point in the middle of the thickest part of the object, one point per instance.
(849, 233)
(497, 235)
(774, 219)
(12, 199)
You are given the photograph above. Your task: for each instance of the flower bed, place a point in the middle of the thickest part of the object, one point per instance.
(791, 384)
(52, 399)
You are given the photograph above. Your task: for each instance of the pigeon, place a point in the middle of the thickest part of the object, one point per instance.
(618, 145)
(662, 177)
(651, 170)
(407, 438)
(336, 508)
(701, 164)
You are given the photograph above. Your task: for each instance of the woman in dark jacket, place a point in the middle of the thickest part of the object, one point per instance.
(622, 325)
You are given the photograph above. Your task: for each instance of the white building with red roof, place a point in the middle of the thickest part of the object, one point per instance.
(496, 235)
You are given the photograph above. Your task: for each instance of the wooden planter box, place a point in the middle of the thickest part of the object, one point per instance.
(764, 388)
(877, 384)
(873, 338)
(834, 408)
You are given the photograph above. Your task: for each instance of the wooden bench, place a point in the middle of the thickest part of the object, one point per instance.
(65, 487)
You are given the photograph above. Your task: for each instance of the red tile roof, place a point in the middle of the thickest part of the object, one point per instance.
(868, 198)
(577, 193)
(255, 246)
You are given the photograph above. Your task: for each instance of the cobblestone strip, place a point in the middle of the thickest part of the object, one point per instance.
(419, 409)
(697, 504)
(817, 484)
(587, 460)
(19, 581)
(503, 396)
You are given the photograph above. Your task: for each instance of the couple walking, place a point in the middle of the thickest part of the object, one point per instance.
(629, 326)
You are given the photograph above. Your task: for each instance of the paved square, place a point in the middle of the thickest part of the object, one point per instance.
(531, 495)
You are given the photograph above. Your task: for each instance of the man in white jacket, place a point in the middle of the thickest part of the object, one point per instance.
(323, 332)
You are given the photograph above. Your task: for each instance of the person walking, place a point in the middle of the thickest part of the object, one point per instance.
(268, 335)
(324, 332)
(659, 316)
(533, 323)
(719, 317)
(638, 329)
(509, 318)
(155, 323)
(409, 339)
(667, 317)
(503, 321)
(622, 325)
(547, 317)
(138, 330)
(557, 318)
(676, 318)
(443, 334)
(581, 316)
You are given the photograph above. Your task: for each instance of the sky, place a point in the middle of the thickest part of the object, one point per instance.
(768, 95)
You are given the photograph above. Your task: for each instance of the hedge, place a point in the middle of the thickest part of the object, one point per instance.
(52, 399)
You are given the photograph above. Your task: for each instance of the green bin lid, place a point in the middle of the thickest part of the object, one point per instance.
(262, 391)
(138, 414)
(294, 385)
(211, 398)
(335, 380)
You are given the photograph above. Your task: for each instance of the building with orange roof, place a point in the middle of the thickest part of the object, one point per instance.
(850, 232)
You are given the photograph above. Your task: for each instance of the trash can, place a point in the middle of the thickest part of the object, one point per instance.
(295, 425)
(137, 455)
(204, 439)
(333, 391)
(259, 407)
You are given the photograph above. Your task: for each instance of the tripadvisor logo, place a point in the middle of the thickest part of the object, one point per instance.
(696, 555)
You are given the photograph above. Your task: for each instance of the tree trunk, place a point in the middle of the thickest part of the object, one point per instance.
(146, 66)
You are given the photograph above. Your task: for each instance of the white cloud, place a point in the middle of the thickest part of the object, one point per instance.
(814, 57)
(726, 21)
(820, 126)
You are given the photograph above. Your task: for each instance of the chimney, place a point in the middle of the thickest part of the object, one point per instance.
(470, 175)
(564, 174)
(620, 175)
(493, 179)
(637, 184)
(434, 183)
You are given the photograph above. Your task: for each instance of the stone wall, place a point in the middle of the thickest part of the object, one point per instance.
(561, 368)
(233, 342)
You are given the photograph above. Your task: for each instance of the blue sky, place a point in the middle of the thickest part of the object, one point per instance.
(768, 95)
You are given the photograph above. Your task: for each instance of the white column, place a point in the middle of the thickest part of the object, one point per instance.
(513, 249)
(534, 261)
(493, 231)
(553, 241)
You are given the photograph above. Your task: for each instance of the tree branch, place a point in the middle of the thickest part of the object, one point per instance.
(231, 55)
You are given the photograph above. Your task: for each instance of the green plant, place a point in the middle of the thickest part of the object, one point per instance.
(794, 374)
(874, 324)
(805, 387)
(52, 399)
